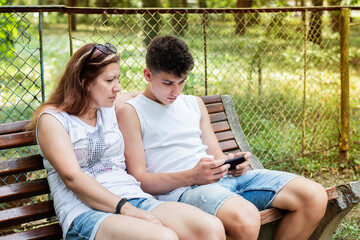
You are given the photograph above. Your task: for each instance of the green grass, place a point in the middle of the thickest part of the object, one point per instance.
(348, 230)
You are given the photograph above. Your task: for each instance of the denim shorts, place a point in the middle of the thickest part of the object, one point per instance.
(86, 225)
(257, 186)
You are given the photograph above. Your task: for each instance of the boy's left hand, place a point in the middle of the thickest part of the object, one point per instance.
(241, 169)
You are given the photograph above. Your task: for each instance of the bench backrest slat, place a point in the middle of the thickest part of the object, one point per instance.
(215, 107)
(211, 99)
(28, 213)
(21, 165)
(22, 190)
(217, 117)
(220, 126)
(21, 196)
(229, 145)
(52, 231)
(222, 136)
(19, 139)
(220, 123)
(18, 126)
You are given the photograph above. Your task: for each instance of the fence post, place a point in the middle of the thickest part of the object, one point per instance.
(304, 85)
(205, 52)
(345, 89)
(70, 33)
(41, 56)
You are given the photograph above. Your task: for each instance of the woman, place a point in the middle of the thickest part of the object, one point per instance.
(83, 152)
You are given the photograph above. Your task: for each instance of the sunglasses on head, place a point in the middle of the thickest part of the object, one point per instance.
(107, 49)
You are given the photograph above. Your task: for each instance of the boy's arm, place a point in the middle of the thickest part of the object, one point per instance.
(206, 171)
(209, 139)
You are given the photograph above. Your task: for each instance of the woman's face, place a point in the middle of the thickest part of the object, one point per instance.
(104, 88)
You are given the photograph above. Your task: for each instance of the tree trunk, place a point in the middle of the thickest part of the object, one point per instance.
(103, 4)
(302, 2)
(179, 20)
(334, 16)
(240, 18)
(72, 3)
(202, 4)
(151, 23)
(315, 28)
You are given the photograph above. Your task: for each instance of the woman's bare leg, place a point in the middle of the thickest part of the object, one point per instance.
(189, 222)
(121, 227)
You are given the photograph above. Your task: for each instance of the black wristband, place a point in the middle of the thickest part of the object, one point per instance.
(120, 204)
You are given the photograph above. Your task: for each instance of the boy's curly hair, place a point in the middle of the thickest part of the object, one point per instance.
(169, 54)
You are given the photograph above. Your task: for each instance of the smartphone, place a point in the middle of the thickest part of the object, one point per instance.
(234, 162)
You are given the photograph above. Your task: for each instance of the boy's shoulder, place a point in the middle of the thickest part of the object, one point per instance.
(123, 97)
(192, 98)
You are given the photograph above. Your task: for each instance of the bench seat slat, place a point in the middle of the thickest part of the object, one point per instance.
(23, 190)
(52, 231)
(21, 165)
(28, 213)
(13, 140)
(270, 215)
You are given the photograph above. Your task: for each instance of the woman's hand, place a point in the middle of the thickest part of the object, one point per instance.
(129, 210)
(240, 169)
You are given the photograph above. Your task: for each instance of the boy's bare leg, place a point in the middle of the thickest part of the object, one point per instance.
(241, 219)
(306, 201)
(189, 222)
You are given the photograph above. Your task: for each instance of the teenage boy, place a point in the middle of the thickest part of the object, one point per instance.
(171, 149)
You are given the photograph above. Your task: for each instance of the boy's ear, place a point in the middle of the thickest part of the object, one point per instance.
(147, 74)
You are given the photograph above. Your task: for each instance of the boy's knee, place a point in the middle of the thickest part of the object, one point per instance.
(317, 199)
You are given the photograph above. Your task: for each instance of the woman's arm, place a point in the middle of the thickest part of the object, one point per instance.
(56, 145)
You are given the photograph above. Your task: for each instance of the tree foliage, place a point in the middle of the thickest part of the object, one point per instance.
(8, 30)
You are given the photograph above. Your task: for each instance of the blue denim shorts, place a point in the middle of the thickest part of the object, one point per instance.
(86, 225)
(257, 186)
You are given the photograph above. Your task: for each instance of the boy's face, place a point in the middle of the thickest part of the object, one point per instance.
(165, 87)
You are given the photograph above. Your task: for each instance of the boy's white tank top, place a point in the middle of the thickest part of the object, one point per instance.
(171, 136)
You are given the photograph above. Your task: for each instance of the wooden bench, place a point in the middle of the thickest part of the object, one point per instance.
(26, 218)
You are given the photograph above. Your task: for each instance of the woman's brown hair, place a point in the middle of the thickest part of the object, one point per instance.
(70, 94)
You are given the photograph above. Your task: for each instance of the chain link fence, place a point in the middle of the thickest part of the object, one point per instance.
(286, 89)
(282, 66)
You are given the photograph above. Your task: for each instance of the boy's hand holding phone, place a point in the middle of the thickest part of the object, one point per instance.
(236, 170)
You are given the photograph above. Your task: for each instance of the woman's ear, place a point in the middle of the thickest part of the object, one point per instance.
(85, 85)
